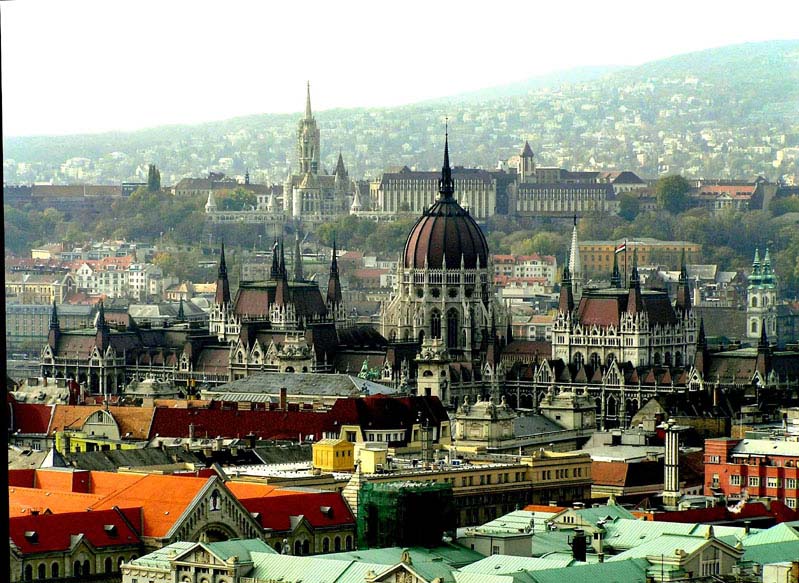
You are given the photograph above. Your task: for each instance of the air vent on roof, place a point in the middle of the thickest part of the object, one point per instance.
(327, 511)
(110, 529)
(32, 536)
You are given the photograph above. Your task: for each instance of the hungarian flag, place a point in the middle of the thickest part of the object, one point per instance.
(621, 248)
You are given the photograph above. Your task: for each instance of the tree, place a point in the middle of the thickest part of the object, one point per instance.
(629, 206)
(153, 179)
(239, 199)
(672, 193)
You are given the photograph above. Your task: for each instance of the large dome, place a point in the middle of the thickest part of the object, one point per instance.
(446, 230)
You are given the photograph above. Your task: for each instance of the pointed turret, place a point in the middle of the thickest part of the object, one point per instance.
(763, 342)
(102, 334)
(308, 113)
(275, 269)
(763, 360)
(334, 296)
(527, 151)
(575, 264)
(683, 302)
(754, 278)
(615, 276)
(55, 327)
(181, 312)
(526, 167)
(222, 285)
(635, 303)
(210, 205)
(446, 186)
(281, 267)
(54, 323)
(701, 357)
(298, 274)
(282, 295)
(341, 170)
(566, 301)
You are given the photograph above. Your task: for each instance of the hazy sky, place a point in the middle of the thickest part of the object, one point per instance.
(82, 66)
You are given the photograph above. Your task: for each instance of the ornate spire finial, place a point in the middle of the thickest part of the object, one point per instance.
(446, 186)
(222, 274)
(308, 114)
(54, 324)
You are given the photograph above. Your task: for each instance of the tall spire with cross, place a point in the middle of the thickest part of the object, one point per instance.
(446, 185)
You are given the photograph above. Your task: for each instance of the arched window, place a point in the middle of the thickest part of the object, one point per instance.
(306, 547)
(348, 542)
(578, 358)
(596, 360)
(54, 570)
(297, 548)
(610, 358)
(109, 565)
(278, 547)
(754, 326)
(28, 573)
(435, 324)
(452, 329)
(337, 544)
(754, 301)
(656, 358)
(76, 571)
(678, 359)
(42, 571)
(765, 301)
(667, 358)
(325, 545)
(87, 567)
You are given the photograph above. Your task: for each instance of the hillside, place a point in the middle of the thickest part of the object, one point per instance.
(729, 112)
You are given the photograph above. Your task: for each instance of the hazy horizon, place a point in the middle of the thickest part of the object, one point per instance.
(125, 66)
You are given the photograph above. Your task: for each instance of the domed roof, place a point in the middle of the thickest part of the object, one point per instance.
(446, 231)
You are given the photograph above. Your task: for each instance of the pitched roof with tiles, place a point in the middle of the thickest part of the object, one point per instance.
(31, 417)
(159, 512)
(171, 422)
(320, 509)
(55, 532)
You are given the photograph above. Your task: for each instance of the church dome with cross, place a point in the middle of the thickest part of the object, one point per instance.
(446, 234)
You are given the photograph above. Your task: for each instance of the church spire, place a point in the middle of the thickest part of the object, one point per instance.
(54, 324)
(615, 276)
(684, 287)
(222, 284)
(446, 186)
(275, 269)
(566, 301)
(334, 283)
(635, 303)
(308, 113)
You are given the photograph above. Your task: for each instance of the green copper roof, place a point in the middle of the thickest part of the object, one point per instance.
(240, 548)
(772, 553)
(160, 558)
(776, 534)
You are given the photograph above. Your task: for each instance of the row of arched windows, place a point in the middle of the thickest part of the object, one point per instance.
(79, 568)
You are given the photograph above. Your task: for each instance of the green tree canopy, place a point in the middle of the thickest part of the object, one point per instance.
(153, 179)
(629, 206)
(238, 199)
(672, 193)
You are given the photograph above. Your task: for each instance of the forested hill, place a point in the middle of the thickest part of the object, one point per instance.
(730, 112)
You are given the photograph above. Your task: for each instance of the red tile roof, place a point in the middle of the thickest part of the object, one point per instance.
(171, 422)
(31, 417)
(322, 509)
(54, 532)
